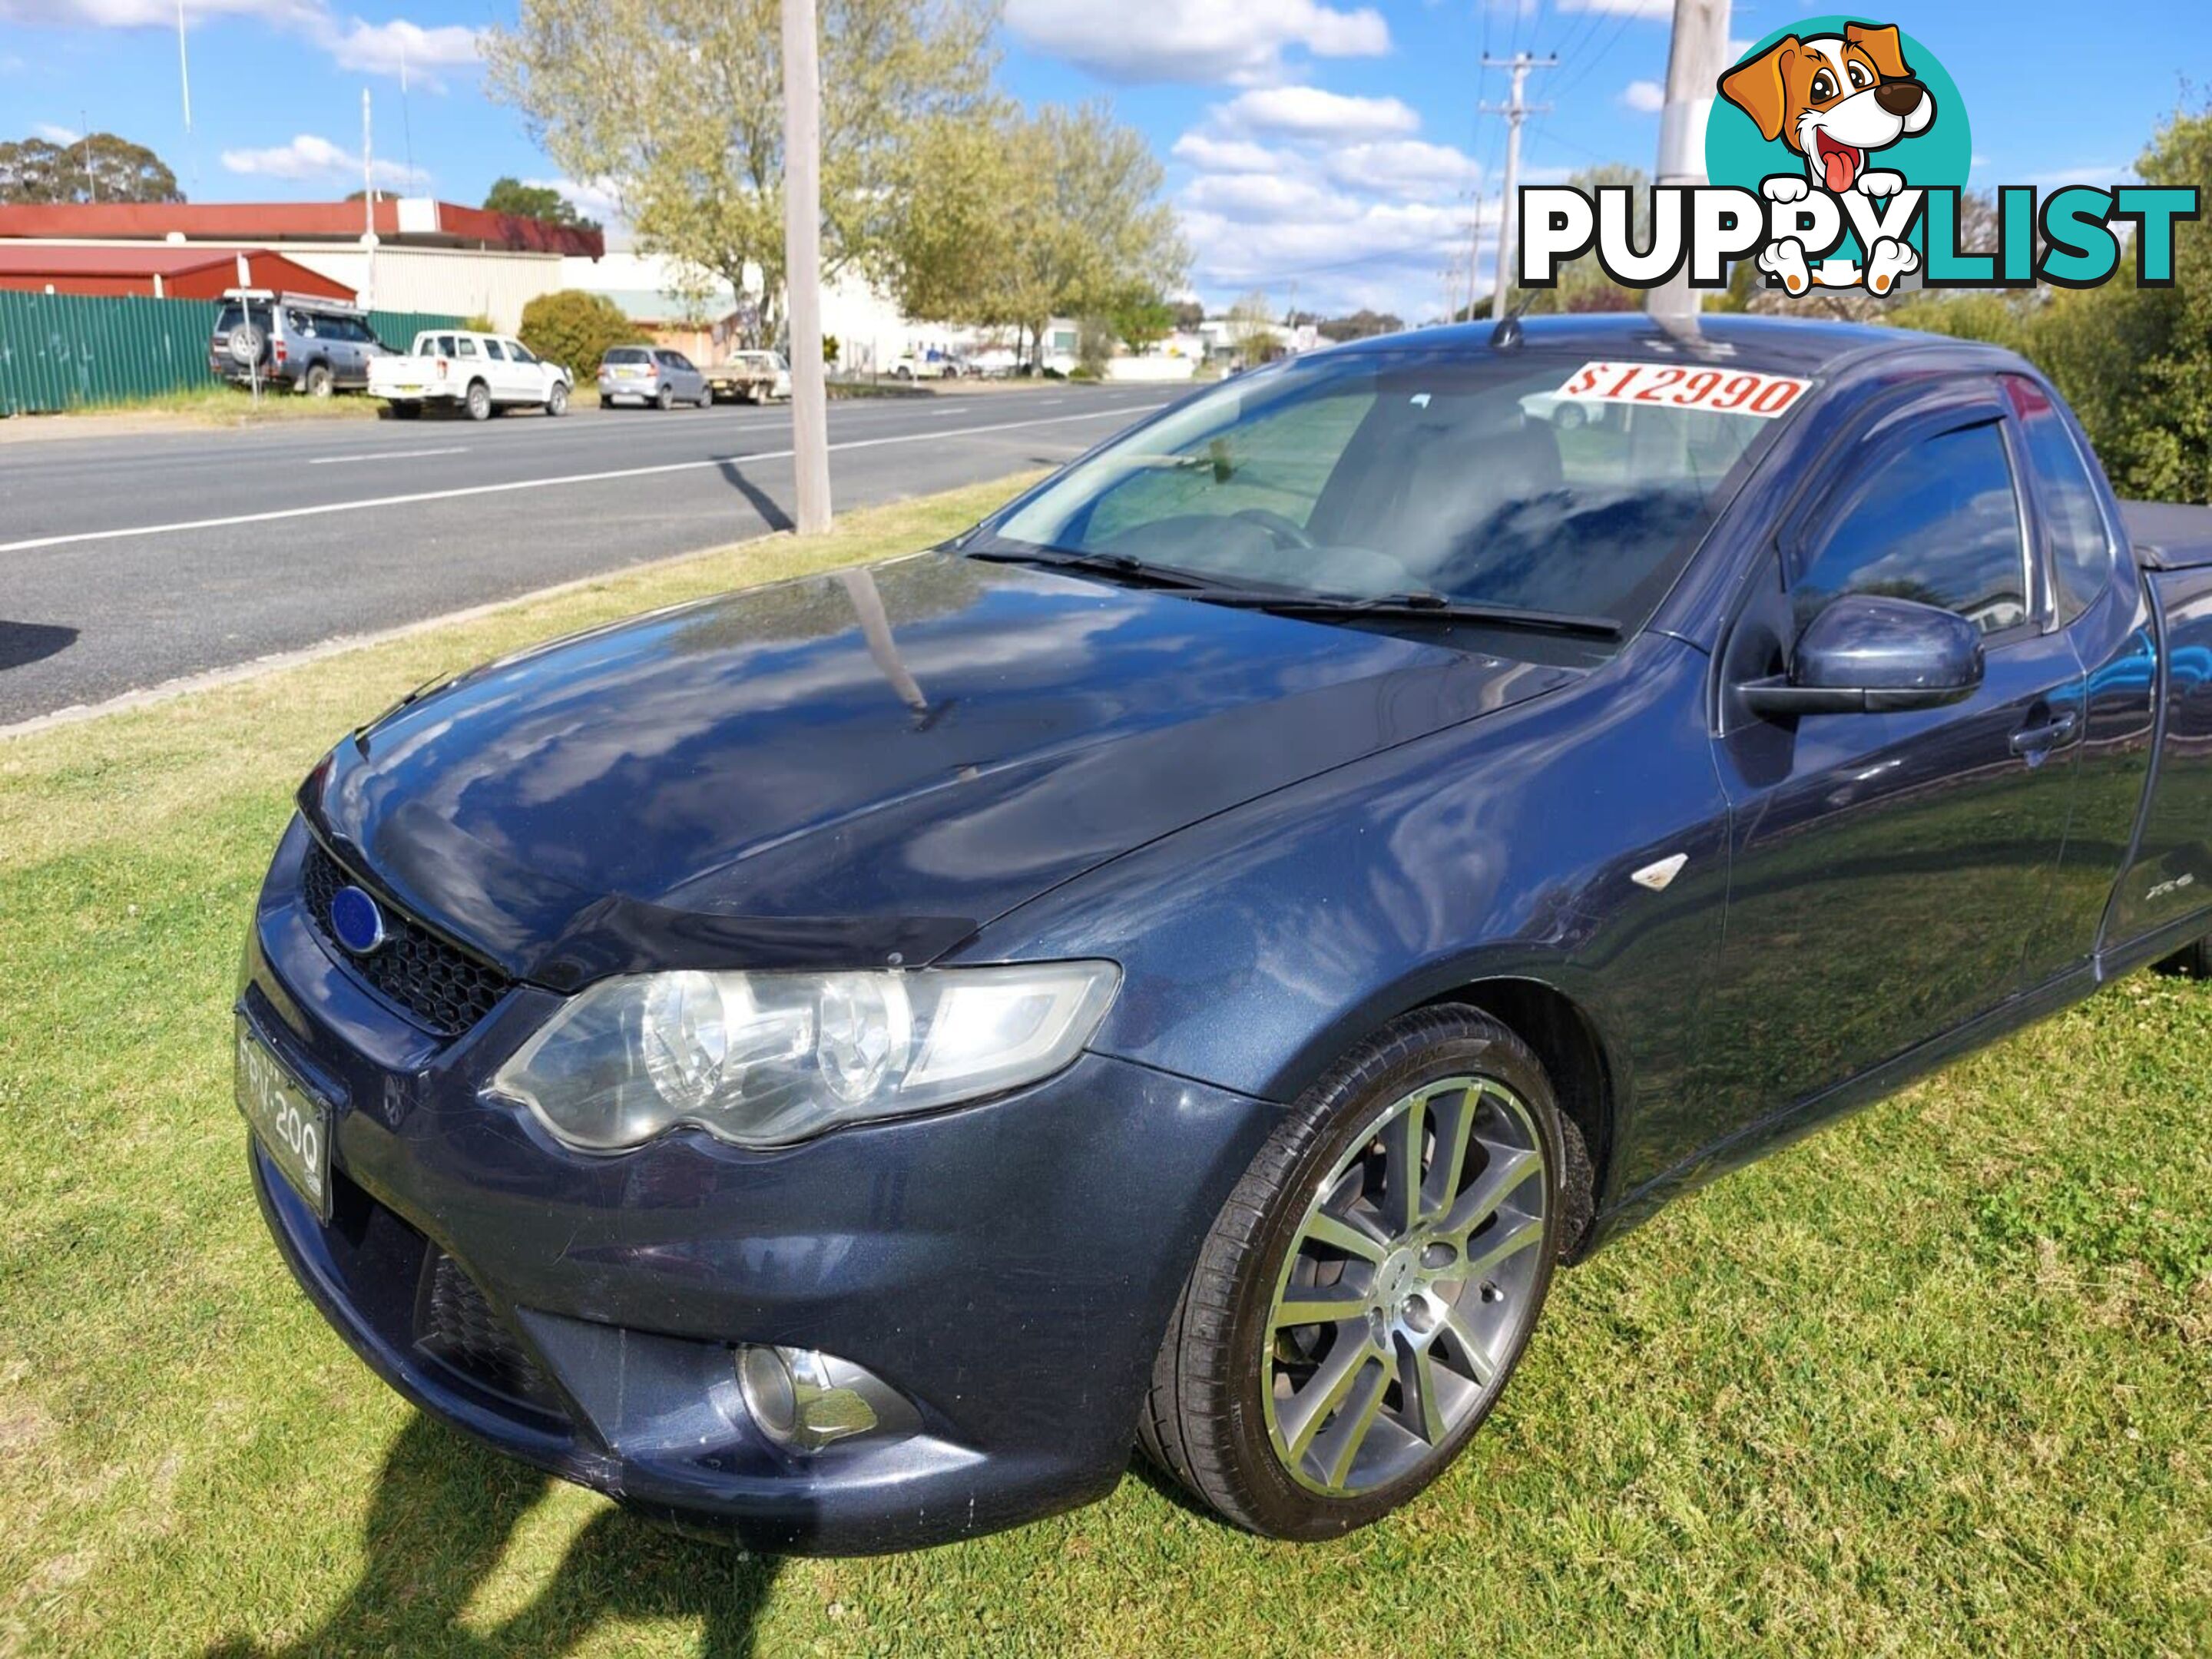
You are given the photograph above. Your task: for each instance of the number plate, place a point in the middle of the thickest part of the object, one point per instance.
(292, 1126)
(1671, 386)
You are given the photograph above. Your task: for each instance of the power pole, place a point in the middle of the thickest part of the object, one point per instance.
(367, 294)
(1474, 256)
(802, 245)
(1695, 59)
(1515, 111)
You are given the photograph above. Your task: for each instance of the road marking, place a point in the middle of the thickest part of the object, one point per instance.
(71, 539)
(386, 455)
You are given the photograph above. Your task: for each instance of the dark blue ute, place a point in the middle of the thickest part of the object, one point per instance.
(839, 1065)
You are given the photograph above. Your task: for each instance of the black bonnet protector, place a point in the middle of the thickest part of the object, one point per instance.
(502, 910)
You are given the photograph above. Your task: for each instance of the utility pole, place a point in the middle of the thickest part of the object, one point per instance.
(1696, 57)
(802, 261)
(1515, 111)
(367, 294)
(1474, 256)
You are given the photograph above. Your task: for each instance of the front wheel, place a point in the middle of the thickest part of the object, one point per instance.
(1368, 1287)
(556, 401)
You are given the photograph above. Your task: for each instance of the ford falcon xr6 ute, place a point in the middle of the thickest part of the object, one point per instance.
(838, 1065)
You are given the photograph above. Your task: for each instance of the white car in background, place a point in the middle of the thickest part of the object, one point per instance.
(482, 374)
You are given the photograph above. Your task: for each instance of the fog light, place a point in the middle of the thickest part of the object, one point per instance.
(803, 1400)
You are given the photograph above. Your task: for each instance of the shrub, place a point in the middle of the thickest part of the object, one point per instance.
(575, 329)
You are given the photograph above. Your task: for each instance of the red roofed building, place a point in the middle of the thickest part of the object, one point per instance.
(425, 255)
(157, 270)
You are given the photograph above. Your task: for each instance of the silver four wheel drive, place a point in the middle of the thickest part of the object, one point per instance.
(292, 343)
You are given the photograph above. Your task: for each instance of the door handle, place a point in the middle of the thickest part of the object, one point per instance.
(2041, 739)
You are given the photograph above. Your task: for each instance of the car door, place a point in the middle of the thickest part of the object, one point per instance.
(1888, 869)
(505, 374)
(533, 379)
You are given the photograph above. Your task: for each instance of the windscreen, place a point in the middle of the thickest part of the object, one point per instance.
(233, 314)
(1365, 474)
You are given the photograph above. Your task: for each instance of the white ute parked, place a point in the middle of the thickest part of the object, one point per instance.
(482, 373)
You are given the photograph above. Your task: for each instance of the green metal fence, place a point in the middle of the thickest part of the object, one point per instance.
(66, 351)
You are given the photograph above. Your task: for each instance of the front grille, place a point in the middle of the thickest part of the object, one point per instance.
(439, 985)
(455, 1325)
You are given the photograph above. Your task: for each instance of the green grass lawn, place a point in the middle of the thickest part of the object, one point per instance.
(1937, 1381)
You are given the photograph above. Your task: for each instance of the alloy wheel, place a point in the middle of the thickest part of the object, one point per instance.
(1407, 1288)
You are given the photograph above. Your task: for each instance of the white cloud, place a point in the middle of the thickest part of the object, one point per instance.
(1644, 97)
(594, 199)
(383, 48)
(369, 48)
(1225, 154)
(1654, 10)
(308, 156)
(1342, 199)
(54, 135)
(1403, 166)
(1309, 112)
(1261, 197)
(1193, 40)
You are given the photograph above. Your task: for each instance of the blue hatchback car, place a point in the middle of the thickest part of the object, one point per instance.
(838, 1065)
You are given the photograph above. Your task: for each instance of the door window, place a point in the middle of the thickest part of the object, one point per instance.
(1939, 523)
(520, 353)
(495, 351)
(468, 347)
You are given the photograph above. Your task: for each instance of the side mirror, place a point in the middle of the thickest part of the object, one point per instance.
(1867, 652)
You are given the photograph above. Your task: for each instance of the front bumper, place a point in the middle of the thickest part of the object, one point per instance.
(1008, 1267)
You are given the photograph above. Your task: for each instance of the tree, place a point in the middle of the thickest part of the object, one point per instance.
(680, 103)
(1188, 314)
(97, 167)
(1252, 334)
(1142, 318)
(1362, 325)
(541, 202)
(575, 328)
(1025, 218)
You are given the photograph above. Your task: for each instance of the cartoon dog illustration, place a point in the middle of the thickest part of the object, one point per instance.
(1834, 99)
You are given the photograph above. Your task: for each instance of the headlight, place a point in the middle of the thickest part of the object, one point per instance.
(766, 1060)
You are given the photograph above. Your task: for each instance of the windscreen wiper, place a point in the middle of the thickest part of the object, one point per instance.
(1419, 607)
(1120, 566)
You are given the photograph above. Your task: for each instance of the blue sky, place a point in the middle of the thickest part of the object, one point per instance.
(1327, 143)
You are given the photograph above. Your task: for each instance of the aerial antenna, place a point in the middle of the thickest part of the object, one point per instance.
(1507, 334)
(184, 67)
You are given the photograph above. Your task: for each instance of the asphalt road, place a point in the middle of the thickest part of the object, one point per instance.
(128, 560)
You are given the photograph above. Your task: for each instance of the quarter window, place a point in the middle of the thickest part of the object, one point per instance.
(2081, 546)
(1939, 524)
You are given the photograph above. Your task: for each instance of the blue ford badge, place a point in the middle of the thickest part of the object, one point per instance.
(356, 920)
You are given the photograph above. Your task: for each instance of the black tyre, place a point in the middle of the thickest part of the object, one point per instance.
(556, 401)
(2192, 961)
(1365, 1293)
(478, 401)
(317, 382)
(665, 399)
